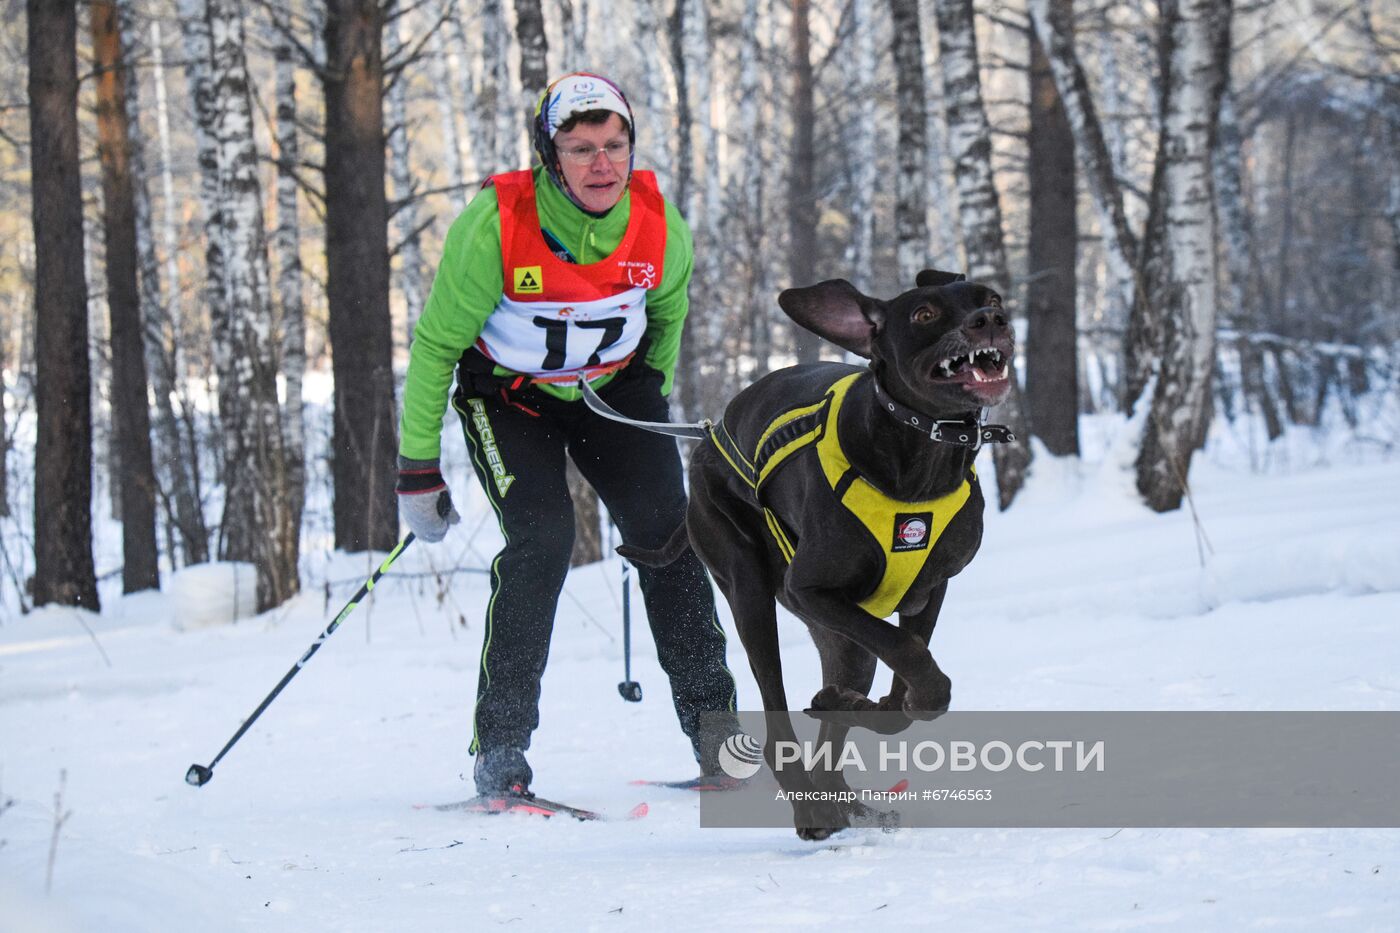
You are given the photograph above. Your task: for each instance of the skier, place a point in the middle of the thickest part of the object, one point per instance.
(576, 267)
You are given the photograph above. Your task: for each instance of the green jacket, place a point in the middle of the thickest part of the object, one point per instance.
(469, 284)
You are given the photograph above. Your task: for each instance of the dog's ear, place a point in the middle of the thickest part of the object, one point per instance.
(836, 311)
(933, 277)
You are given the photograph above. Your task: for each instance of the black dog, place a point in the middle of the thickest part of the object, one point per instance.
(849, 495)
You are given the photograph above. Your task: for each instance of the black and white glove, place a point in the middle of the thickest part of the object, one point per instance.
(424, 502)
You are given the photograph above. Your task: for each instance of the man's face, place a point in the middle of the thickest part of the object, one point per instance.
(598, 183)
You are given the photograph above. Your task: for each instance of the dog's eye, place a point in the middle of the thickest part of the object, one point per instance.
(924, 315)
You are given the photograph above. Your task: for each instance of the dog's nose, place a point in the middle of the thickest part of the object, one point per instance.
(985, 321)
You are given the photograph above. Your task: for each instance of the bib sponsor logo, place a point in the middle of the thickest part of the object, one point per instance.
(494, 462)
(911, 531)
(639, 274)
(528, 280)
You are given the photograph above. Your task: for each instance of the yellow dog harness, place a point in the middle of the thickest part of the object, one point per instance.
(906, 532)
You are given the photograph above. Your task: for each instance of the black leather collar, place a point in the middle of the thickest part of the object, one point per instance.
(971, 433)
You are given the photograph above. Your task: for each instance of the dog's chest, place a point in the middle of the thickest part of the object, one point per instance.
(821, 511)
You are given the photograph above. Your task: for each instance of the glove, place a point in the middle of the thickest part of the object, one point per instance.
(424, 502)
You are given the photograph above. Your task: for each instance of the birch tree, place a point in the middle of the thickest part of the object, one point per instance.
(291, 317)
(534, 57)
(910, 212)
(63, 567)
(979, 211)
(863, 64)
(179, 489)
(802, 193)
(130, 411)
(255, 526)
(1180, 413)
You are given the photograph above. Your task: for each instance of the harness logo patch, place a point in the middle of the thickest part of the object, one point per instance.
(529, 280)
(911, 531)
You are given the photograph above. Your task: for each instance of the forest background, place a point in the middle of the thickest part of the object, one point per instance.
(221, 218)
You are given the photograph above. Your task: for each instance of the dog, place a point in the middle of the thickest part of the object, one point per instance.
(848, 495)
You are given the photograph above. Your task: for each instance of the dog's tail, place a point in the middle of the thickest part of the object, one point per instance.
(663, 556)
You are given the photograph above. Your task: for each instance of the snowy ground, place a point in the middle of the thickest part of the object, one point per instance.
(1080, 599)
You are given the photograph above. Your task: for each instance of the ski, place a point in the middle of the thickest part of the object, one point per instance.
(528, 806)
(723, 782)
(704, 784)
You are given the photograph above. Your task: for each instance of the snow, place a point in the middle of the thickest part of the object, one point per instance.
(1285, 598)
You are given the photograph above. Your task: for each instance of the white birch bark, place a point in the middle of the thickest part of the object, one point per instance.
(292, 314)
(1181, 400)
(940, 210)
(254, 527)
(970, 142)
(1118, 274)
(194, 31)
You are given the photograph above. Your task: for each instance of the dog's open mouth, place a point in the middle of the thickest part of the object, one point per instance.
(983, 365)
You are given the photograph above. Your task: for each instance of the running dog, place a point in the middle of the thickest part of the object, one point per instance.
(848, 495)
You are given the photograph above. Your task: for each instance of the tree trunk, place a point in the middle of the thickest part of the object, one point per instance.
(655, 140)
(751, 194)
(357, 279)
(441, 73)
(910, 212)
(1052, 367)
(63, 568)
(1237, 237)
(501, 132)
(588, 529)
(979, 211)
(1054, 24)
(255, 505)
(292, 314)
(802, 191)
(406, 222)
(131, 417)
(860, 69)
(177, 494)
(534, 57)
(1180, 413)
(163, 337)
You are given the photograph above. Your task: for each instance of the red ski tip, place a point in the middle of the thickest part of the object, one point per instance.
(639, 811)
(901, 787)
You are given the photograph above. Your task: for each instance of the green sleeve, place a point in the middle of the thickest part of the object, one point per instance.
(669, 302)
(467, 288)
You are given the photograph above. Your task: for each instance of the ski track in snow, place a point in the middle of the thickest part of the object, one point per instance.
(1080, 599)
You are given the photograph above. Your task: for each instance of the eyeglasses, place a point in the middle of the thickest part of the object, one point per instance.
(584, 155)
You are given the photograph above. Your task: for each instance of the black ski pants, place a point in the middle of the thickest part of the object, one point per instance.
(517, 439)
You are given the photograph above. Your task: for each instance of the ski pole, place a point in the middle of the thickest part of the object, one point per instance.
(199, 775)
(631, 690)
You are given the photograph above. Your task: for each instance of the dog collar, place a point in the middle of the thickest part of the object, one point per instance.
(971, 433)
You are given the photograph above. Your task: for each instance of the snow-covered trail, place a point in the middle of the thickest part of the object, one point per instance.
(1080, 599)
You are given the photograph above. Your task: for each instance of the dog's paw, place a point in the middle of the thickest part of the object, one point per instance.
(931, 700)
(832, 698)
(815, 821)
